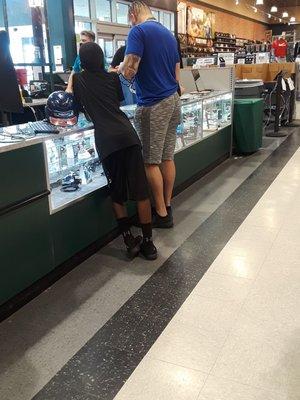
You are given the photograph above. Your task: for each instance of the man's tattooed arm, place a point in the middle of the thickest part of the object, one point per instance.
(129, 67)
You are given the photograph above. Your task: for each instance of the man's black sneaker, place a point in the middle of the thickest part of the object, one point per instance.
(170, 211)
(148, 250)
(133, 245)
(163, 222)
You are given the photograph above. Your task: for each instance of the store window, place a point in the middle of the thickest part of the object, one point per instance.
(82, 26)
(155, 14)
(122, 13)
(1, 16)
(120, 43)
(108, 49)
(103, 10)
(166, 20)
(28, 44)
(82, 8)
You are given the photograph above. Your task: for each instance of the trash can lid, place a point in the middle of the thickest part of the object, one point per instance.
(247, 83)
(247, 101)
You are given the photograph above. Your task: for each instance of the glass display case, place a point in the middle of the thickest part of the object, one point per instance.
(202, 115)
(74, 169)
(216, 112)
(73, 165)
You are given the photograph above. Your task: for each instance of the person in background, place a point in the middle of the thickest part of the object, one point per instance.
(152, 58)
(118, 59)
(85, 37)
(99, 93)
(10, 98)
(280, 48)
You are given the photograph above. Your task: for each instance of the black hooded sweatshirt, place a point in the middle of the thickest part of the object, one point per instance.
(100, 94)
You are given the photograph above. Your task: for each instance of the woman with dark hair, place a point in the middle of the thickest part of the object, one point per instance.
(10, 99)
(119, 148)
(4, 47)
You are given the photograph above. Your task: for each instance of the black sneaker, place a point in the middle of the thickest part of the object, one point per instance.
(148, 250)
(170, 211)
(133, 245)
(163, 222)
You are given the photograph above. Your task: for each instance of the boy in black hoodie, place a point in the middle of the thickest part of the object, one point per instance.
(118, 146)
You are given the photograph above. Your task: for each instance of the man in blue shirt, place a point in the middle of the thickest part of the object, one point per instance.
(85, 37)
(152, 59)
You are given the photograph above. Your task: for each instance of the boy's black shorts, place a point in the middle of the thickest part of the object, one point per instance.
(125, 172)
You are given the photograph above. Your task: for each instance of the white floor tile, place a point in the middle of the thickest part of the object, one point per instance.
(209, 315)
(280, 268)
(274, 302)
(257, 356)
(229, 263)
(224, 389)
(258, 234)
(223, 287)
(269, 217)
(157, 380)
(283, 251)
(187, 346)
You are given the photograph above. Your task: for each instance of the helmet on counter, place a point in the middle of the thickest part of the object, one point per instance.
(61, 109)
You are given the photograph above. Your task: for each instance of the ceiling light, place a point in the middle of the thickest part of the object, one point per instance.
(259, 2)
(285, 14)
(274, 9)
(280, 20)
(236, 2)
(269, 15)
(293, 19)
(255, 9)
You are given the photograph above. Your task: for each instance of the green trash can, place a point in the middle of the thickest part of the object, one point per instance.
(248, 125)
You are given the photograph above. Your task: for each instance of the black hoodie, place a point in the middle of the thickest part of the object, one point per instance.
(100, 93)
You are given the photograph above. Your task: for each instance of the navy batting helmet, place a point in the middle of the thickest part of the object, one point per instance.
(61, 109)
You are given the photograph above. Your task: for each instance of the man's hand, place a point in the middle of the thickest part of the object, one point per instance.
(129, 67)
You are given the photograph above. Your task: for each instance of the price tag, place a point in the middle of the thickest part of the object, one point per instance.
(291, 84)
(283, 85)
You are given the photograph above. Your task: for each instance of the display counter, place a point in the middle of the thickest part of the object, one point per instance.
(54, 202)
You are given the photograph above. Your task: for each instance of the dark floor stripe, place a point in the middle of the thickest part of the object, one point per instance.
(100, 368)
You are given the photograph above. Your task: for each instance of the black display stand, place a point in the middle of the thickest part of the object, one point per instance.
(277, 132)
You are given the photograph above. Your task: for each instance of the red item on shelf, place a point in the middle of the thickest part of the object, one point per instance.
(280, 47)
(22, 76)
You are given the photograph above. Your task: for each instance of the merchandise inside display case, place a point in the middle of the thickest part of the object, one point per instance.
(216, 113)
(74, 168)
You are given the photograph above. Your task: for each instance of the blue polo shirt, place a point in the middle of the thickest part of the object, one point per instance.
(157, 47)
(77, 65)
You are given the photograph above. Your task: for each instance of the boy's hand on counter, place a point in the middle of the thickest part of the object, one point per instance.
(120, 68)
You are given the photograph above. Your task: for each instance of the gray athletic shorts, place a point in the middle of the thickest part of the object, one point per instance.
(156, 126)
